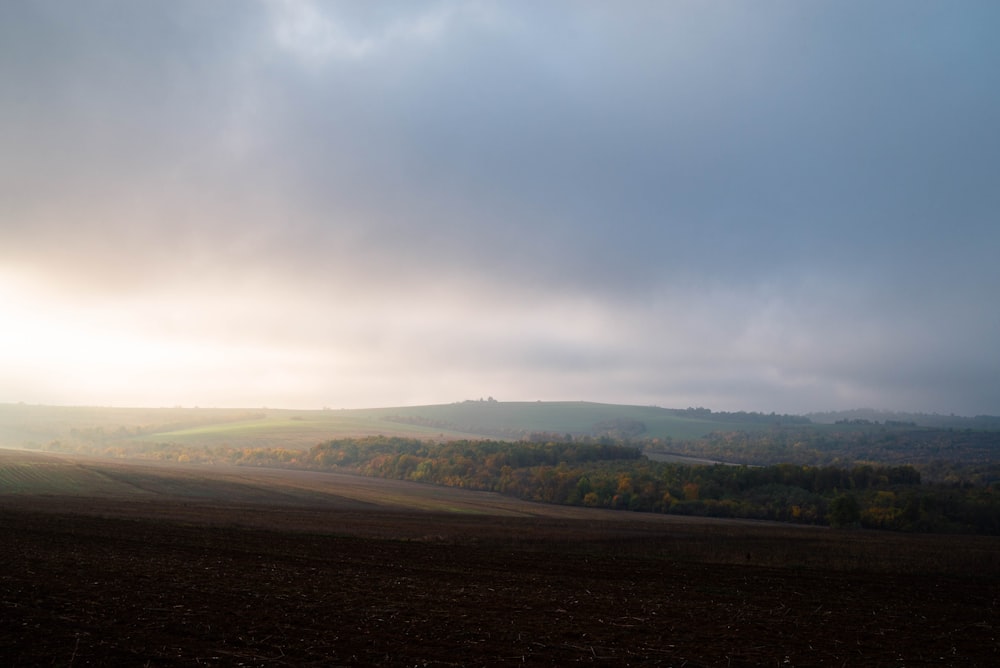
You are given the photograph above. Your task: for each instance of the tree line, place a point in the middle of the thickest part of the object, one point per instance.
(955, 456)
(602, 474)
(619, 477)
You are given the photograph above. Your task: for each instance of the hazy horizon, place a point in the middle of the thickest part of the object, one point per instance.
(867, 410)
(784, 207)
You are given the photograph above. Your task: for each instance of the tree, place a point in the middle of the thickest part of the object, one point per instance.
(844, 511)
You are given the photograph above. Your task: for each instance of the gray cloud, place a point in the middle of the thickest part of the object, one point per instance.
(784, 208)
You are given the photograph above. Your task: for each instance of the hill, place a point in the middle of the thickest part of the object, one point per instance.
(933, 420)
(39, 427)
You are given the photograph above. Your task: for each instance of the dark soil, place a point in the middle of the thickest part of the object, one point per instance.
(91, 582)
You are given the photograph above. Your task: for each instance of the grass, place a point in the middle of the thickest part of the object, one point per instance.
(560, 417)
(37, 426)
(460, 420)
(295, 430)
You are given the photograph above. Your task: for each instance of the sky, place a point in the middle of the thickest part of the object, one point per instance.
(766, 206)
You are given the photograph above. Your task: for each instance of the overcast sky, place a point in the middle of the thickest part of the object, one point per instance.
(775, 206)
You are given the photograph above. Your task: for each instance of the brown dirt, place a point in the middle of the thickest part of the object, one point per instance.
(106, 582)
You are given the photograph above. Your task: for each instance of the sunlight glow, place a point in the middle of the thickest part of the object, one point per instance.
(88, 354)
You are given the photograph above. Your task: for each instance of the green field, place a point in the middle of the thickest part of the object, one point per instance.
(39, 427)
(557, 417)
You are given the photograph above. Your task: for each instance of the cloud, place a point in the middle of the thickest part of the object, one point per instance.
(318, 32)
(365, 204)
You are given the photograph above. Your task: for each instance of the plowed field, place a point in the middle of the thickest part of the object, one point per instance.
(88, 582)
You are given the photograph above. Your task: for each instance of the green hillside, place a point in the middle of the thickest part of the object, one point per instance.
(116, 429)
(580, 418)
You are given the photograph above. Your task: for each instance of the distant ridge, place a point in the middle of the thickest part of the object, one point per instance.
(936, 420)
(111, 429)
(522, 419)
(115, 431)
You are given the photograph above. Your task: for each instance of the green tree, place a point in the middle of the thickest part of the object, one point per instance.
(844, 511)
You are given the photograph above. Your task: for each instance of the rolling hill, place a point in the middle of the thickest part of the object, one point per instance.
(38, 427)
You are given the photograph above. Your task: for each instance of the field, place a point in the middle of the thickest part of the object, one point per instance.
(113, 563)
(38, 427)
